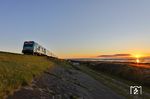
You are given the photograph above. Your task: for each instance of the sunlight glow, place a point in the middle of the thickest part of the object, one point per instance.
(137, 57)
(137, 60)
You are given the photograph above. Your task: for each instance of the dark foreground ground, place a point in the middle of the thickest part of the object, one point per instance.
(65, 83)
(39, 77)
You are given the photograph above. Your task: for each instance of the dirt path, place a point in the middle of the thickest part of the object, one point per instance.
(62, 83)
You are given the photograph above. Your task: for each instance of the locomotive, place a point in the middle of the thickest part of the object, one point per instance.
(33, 48)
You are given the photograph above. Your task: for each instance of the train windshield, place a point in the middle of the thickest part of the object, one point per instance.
(28, 45)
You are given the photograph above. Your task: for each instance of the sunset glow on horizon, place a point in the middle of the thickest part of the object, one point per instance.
(137, 60)
(97, 55)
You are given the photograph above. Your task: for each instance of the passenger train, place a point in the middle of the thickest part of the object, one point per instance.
(33, 48)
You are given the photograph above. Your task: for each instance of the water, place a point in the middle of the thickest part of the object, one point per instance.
(141, 60)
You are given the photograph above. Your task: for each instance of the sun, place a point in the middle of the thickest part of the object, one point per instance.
(137, 57)
(137, 60)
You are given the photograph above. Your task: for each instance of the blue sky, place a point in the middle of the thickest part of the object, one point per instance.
(76, 28)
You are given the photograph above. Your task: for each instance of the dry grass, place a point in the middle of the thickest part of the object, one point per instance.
(19, 70)
(115, 76)
(128, 71)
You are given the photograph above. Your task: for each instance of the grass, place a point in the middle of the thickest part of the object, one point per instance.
(18, 70)
(126, 71)
(117, 84)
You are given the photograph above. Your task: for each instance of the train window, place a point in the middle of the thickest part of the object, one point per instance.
(28, 45)
(39, 48)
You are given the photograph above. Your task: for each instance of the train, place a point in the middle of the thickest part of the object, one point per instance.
(33, 48)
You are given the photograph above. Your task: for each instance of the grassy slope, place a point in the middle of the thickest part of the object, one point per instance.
(117, 84)
(19, 70)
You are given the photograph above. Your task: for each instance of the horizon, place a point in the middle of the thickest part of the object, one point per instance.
(77, 29)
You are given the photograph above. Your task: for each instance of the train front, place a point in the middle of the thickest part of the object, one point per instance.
(28, 47)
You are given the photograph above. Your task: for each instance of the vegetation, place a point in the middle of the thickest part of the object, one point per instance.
(19, 70)
(125, 70)
(116, 83)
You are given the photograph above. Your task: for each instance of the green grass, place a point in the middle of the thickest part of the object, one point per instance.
(19, 70)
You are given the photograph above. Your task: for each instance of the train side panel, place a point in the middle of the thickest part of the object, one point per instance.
(38, 49)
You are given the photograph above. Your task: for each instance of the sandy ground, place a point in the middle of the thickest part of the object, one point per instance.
(62, 83)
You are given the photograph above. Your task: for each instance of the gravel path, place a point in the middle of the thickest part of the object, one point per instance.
(62, 83)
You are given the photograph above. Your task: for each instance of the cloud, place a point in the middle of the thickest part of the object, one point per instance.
(116, 55)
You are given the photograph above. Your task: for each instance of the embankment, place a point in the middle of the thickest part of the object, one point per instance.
(18, 70)
(136, 73)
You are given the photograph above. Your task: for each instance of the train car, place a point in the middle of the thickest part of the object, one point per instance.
(33, 48)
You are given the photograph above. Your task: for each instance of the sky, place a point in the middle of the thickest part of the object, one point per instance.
(77, 28)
